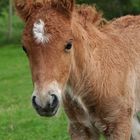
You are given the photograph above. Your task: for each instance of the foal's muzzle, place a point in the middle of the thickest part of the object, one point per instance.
(50, 109)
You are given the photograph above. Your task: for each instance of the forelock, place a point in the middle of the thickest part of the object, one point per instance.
(40, 32)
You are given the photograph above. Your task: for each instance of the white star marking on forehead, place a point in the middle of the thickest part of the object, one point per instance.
(39, 32)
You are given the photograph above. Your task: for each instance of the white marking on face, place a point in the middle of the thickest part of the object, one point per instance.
(55, 89)
(39, 32)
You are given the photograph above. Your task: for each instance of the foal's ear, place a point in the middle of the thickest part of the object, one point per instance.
(23, 8)
(64, 6)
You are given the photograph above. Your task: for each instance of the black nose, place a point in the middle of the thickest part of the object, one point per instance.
(51, 106)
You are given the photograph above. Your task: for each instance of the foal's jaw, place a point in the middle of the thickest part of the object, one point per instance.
(47, 102)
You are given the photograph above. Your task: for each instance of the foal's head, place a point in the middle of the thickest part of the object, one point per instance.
(48, 43)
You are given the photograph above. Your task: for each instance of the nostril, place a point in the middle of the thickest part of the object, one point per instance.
(36, 106)
(54, 101)
(34, 101)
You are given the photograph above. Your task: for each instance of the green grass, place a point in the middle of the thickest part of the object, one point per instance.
(18, 120)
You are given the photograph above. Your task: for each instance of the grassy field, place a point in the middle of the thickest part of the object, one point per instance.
(18, 120)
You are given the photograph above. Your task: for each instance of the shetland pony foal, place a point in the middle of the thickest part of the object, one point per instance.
(94, 69)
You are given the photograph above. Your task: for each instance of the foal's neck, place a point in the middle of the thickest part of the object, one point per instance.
(83, 64)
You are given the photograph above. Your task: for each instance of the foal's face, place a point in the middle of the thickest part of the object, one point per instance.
(48, 43)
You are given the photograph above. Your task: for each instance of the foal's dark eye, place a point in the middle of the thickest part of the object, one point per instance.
(24, 49)
(68, 46)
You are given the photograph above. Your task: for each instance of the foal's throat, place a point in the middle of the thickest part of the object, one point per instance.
(75, 107)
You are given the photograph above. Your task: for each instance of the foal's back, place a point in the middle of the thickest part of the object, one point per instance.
(125, 32)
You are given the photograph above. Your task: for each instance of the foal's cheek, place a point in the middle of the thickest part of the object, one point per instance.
(65, 72)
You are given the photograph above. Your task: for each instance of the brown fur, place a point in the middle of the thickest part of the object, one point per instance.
(102, 70)
(26, 7)
(88, 13)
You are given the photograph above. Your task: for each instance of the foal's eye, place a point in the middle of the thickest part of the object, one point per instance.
(24, 49)
(68, 46)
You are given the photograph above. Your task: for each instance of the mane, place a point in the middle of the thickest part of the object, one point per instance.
(89, 14)
(86, 14)
(26, 7)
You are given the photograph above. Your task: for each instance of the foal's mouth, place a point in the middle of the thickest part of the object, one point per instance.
(49, 110)
(45, 113)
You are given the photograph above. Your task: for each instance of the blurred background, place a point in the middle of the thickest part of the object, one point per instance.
(18, 120)
(11, 26)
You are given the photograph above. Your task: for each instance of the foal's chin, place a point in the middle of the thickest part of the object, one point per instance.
(47, 113)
